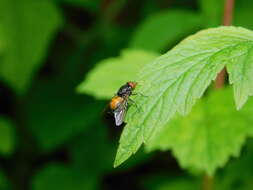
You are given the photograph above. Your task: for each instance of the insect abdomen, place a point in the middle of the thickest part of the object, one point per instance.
(115, 102)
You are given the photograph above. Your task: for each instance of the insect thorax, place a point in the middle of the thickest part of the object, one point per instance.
(125, 90)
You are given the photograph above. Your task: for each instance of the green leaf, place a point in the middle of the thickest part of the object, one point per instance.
(58, 176)
(212, 11)
(28, 26)
(239, 172)
(242, 13)
(200, 140)
(1, 40)
(243, 83)
(7, 136)
(240, 71)
(174, 81)
(56, 113)
(108, 75)
(170, 26)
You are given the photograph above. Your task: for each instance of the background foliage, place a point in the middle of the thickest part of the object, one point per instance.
(62, 60)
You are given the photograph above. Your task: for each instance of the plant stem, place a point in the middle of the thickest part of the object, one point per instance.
(220, 80)
(227, 20)
(228, 12)
(207, 182)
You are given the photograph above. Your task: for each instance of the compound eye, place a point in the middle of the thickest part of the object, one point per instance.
(132, 84)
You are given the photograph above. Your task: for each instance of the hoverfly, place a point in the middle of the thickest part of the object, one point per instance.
(119, 103)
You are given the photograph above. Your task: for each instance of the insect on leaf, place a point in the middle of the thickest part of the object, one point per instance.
(175, 80)
(109, 74)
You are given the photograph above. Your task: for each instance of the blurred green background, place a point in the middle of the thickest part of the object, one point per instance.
(51, 136)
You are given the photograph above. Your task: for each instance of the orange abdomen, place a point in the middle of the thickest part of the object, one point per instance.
(115, 102)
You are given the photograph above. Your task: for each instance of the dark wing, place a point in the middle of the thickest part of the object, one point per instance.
(119, 113)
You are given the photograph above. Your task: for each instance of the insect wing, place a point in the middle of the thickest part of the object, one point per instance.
(119, 114)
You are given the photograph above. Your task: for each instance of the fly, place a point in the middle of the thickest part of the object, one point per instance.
(119, 103)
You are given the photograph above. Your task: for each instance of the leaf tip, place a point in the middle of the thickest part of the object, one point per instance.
(239, 103)
(115, 164)
(121, 157)
(238, 107)
(118, 161)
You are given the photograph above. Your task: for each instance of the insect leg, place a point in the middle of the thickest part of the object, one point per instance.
(139, 93)
(134, 103)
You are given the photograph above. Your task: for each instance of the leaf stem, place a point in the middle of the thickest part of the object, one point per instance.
(220, 80)
(227, 20)
(207, 182)
(228, 12)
